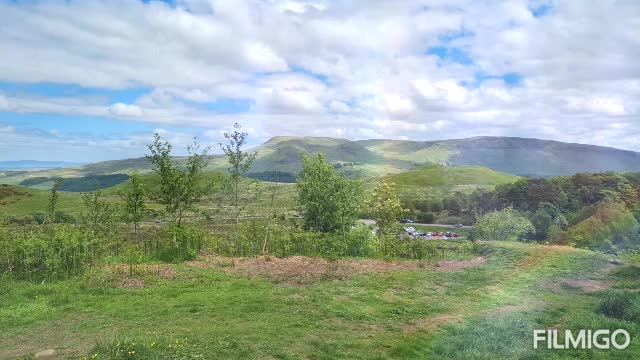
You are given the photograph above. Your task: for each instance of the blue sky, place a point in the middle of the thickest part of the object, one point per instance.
(86, 82)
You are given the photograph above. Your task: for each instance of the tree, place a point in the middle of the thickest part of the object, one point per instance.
(384, 206)
(180, 187)
(542, 222)
(134, 197)
(98, 214)
(329, 200)
(273, 188)
(240, 162)
(504, 225)
(53, 200)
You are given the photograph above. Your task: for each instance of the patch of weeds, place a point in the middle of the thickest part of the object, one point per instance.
(620, 305)
(147, 348)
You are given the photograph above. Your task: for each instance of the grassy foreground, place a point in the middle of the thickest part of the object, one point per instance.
(209, 310)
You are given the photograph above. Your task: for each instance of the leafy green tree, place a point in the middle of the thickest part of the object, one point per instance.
(542, 222)
(504, 225)
(240, 162)
(180, 187)
(330, 201)
(53, 199)
(98, 214)
(134, 198)
(385, 207)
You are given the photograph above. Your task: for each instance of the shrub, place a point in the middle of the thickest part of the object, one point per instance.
(39, 218)
(48, 252)
(504, 225)
(426, 217)
(64, 218)
(620, 305)
(610, 226)
(179, 243)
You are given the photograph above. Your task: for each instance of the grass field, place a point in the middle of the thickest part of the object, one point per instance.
(211, 309)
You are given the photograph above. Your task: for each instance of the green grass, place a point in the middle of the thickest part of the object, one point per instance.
(484, 312)
(22, 201)
(439, 175)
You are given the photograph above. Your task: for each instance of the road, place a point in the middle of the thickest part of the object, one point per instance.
(372, 222)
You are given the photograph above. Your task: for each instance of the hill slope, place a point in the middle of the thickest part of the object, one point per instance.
(439, 175)
(518, 156)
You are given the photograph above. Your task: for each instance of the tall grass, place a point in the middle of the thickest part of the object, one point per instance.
(48, 252)
(60, 251)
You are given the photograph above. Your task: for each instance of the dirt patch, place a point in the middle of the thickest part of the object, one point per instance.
(431, 324)
(303, 269)
(137, 277)
(585, 285)
(132, 283)
(457, 265)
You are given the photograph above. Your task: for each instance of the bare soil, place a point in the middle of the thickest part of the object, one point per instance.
(298, 270)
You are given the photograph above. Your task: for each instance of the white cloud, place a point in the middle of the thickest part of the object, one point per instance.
(356, 69)
(125, 110)
(5, 104)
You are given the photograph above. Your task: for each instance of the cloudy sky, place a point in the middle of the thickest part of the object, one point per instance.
(92, 80)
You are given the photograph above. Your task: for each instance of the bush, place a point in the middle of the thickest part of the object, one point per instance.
(64, 218)
(179, 243)
(426, 217)
(620, 305)
(610, 226)
(504, 225)
(48, 252)
(39, 218)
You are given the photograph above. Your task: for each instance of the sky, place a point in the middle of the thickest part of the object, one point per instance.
(90, 80)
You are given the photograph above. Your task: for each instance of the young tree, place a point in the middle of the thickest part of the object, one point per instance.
(53, 200)
(273, 188)
(329, 200)
(240, 162)
(134, 197)
(180, 187)
(384, 205)
(98, 214)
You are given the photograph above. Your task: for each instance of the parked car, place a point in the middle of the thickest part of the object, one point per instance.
(455, 235)
(458, 225)
(410, 230)
(419, 233)
(406, 221)
(429, 234)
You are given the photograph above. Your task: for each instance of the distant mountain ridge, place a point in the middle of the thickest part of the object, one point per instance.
(34, 164)
(518, 156)
(380, 157)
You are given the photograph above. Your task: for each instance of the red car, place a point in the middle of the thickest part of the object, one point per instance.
(456, 235)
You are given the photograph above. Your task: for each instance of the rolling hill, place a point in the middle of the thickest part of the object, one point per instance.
(439, 175)
(380, 157)
(34, 165)
(518, 156)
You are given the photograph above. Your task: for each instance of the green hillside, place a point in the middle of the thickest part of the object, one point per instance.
(439, 175)
(381, 157)
(20, 201)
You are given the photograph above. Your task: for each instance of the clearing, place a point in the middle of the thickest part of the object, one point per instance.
(309, 308)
